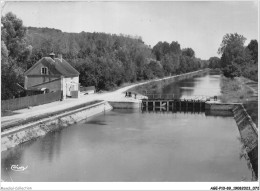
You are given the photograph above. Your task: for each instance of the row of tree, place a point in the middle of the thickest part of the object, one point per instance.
(15, 52)
(103, 60)
(175, 60)
(236, 58)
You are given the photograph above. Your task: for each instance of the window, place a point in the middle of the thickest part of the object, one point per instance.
(44, 70)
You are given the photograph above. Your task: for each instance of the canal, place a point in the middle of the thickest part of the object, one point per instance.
(130, 145)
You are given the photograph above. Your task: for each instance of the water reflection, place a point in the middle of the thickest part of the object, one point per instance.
(203, 85)
(95, 122)
(51, 145)
(13, 157)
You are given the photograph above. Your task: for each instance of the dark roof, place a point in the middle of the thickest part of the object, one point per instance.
(65, 68)
(57, 67)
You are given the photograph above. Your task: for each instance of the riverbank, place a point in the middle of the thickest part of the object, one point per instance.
(241, 90)
(40, 127)
(249, 137)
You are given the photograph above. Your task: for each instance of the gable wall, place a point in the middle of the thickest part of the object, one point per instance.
(35, 80)
(52, 86)
(43, 63)
(72, 79)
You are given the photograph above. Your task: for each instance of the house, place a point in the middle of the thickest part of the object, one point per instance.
(51, 74)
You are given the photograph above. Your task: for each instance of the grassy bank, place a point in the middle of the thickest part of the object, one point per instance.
(236, 91)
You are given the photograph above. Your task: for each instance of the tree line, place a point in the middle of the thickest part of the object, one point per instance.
(236, 58)
(103, 60)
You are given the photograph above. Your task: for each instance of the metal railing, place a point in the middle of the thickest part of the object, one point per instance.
(172, 97)
(160, 96)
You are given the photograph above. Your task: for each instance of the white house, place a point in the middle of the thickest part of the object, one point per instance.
(51, 74)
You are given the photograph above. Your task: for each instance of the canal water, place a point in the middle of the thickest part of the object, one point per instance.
(202, 85)
(130, 145)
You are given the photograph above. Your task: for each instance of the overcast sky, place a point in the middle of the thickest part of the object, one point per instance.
(199, 25)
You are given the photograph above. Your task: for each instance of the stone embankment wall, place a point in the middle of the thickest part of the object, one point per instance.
(29, 131)
(213, 106)
(125, 105)
(249, 135)
(247, 129)
(223, 113)
(246, 126)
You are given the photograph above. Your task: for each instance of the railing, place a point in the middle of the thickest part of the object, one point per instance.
(171, 97)
(160, 96)
(23, 102)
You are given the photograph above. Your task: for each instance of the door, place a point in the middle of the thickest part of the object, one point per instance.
(68, 89)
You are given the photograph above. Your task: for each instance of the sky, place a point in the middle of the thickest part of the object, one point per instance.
(199, 25)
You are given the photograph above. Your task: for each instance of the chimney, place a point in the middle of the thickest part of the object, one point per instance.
(52, 55)
(60, 57)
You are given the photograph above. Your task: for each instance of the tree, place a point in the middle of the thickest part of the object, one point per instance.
(157, 69)
(233, 54)
(231, 41)
(4, 54)
(106, 60)
(253, 48)
(161, 49)
(236, 59)
(167, 63)
(170, 63)
(15, 53)
(175, 48)
(214, 62)
(188, 52)
(250, 67)
(13, 35)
